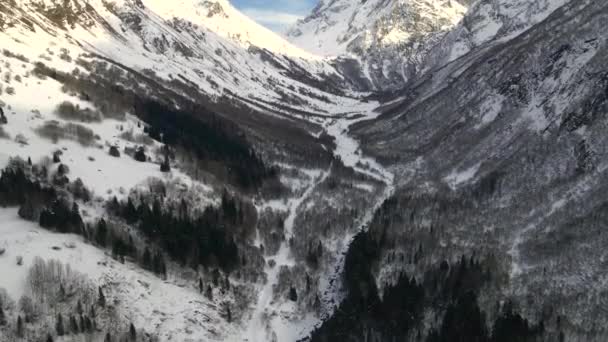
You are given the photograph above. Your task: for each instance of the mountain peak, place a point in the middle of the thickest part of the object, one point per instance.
(340, 27)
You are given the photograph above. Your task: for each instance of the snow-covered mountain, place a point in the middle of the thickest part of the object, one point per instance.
(207, 43)
(171, 170)
(389, 39)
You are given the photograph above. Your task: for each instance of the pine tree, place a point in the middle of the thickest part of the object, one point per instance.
(293, 294)
(140, 155)
(19, 327)
(74, 325)
(61, 292)
(216, 277)
(88, 324)
(79, 307)
(101, 300)
(200, 285)
(3, 119)
(147, 259)
(132, 332)
(228, 314)
(227, 283)
(59, 325)
(101, 233)
(114, 152)
(209, 293)
(165, 166)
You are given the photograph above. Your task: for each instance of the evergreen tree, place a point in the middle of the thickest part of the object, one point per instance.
(200, 285)
(147, 259)
(130, 213)
(3, 119)
(209, 293)
(88, 324)
(59, 325)
(79, 308)
(101, 299)
(228, 314)
(216, 277)
(74, 325)
(101, 233)
(140, 155)
(293, 294)
(132, 332)
(19, 326)
(165, 166)
(114, 152)
(2, 317)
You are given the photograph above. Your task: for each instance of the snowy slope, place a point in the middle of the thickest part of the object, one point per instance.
(225, 55)
(497, 20)
(220, 17)
(148, 301)
(339, 27)
(27, 112)
(388, 39)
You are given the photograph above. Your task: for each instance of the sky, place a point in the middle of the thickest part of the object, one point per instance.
(275, 14)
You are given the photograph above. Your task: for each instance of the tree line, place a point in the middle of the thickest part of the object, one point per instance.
(449, 290)
(203, 240)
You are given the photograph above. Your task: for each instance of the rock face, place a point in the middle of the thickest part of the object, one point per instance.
(388, 38)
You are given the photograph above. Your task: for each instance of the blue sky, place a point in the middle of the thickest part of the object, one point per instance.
(275, 14)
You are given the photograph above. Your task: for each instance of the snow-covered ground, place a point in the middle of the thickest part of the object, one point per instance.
(271, 320)
(173, 310)
(34, 104)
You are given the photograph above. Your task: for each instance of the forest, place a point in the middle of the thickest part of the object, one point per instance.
(203, 240)
(196, 134)
(450, 290)
(212, 140)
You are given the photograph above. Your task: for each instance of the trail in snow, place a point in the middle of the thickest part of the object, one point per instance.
(269, 321)
(266, 321)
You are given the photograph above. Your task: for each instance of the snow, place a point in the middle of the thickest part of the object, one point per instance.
(219, 59)
(278, 328)
(149, 301)
(456, 178)
(349, 152)
(229, 23)
(534, 115)
(490, 109)
(335, 25)
(105, 175)
(500, 20)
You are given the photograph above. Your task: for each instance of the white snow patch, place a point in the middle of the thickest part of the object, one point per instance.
(456, 178)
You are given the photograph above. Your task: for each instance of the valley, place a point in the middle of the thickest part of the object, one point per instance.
(384, 170)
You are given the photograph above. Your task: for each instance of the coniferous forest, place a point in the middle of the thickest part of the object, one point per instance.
(450, 289)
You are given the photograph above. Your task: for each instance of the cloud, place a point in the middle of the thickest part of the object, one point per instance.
(272, 18)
